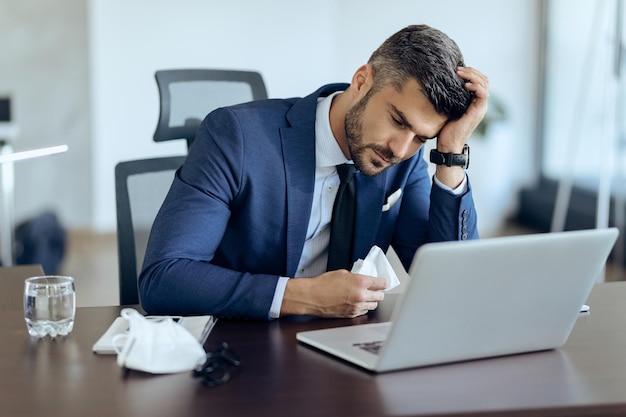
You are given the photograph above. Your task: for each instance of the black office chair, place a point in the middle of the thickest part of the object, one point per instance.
(140, 188)
(188, 95)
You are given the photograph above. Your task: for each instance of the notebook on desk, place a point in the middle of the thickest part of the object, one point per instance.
(477, 299)
(199, 326)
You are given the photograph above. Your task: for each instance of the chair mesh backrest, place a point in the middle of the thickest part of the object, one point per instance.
(188, 95)
(147, 192)
(140, 187)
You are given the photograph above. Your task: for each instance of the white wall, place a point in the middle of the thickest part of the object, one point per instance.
(101, 70)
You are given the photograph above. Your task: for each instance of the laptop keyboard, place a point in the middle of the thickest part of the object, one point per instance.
(372, 347)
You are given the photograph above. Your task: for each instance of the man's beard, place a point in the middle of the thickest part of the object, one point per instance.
(354, 135)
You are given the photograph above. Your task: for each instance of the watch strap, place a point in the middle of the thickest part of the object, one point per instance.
(451, 159)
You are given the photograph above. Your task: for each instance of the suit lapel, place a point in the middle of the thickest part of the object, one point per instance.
(299, 157)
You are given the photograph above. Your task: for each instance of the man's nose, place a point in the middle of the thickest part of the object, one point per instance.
(402, 144)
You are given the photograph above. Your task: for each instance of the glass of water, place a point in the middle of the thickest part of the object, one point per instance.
(49, 305)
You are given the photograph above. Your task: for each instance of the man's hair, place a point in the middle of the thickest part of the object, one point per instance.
(430, 57)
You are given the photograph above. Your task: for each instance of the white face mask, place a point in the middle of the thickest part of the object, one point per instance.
(157, 346)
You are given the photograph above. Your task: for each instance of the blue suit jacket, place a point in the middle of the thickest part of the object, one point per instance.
(236, 215)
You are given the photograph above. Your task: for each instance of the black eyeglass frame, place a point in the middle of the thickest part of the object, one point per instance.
(216, 369)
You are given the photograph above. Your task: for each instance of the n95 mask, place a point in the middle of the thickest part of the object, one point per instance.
(156, 346)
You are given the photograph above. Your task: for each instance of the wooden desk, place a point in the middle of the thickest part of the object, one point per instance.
(12, 285)
(280, 377)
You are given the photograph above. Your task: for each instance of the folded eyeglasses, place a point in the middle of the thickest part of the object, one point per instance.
(216, 370)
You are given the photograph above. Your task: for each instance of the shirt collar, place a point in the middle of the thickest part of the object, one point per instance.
(327, 150)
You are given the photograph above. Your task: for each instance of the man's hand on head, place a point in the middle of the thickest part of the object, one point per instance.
(456, 133)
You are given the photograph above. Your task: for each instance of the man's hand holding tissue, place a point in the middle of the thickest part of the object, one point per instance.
(333, 294)
(342, 293)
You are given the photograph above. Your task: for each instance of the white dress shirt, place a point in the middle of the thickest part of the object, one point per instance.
(328, 155)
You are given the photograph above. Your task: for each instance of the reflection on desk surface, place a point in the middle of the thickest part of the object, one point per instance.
(506, 381)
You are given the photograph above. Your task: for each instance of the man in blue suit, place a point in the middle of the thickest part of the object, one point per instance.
(245, 228)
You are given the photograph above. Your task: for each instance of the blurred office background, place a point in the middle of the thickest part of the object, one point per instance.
(81, 72)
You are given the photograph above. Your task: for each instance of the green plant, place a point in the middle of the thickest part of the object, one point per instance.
(497, 112)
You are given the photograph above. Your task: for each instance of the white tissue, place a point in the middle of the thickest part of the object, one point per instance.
(376, 264)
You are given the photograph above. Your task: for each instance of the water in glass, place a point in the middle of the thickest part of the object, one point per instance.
(49, 305)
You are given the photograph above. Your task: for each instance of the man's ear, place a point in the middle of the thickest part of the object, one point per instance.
(362, 79)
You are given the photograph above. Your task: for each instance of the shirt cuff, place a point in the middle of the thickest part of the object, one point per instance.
(279, 293)
(461, 189)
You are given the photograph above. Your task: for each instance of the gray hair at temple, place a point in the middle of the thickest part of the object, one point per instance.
(429, 56)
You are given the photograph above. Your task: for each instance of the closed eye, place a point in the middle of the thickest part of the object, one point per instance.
(399, 120)
(398, 117)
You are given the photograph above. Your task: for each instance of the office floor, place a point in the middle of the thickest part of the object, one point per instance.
(92, 260)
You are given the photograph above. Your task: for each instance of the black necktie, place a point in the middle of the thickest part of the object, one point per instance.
(342, 222)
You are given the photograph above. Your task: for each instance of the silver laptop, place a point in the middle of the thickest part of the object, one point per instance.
(479, 299)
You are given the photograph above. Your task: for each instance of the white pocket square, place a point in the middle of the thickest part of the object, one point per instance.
(392, 199)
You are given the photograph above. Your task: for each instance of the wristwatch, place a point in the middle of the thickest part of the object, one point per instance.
(451, 159)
